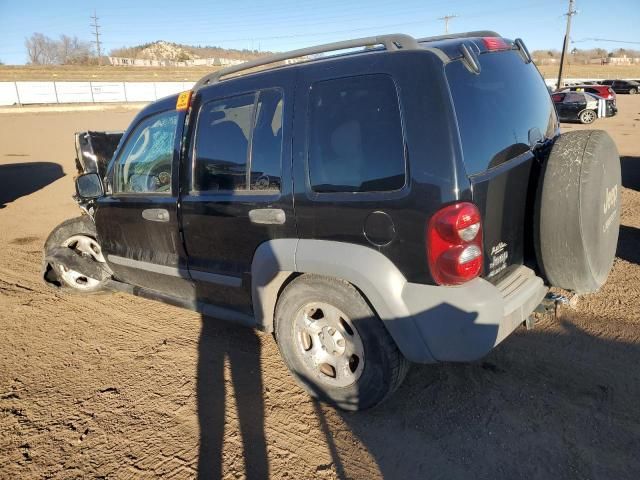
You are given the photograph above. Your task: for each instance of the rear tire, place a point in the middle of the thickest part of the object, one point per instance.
(80, 235)
(324, 323)
(587, 116)
(577, 212)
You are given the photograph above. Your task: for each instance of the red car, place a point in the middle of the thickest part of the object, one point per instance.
(604, 91)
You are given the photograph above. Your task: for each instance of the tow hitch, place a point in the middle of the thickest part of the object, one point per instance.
(548, 306)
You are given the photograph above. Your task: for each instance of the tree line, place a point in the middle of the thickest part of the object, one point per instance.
(66, 50)
(578, 56)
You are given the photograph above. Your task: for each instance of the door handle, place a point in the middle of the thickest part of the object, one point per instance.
(267, 216)
(156, 214)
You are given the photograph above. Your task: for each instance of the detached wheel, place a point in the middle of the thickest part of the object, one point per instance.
(335, 345)
(587, 116)
(577, 212)
(79, 235)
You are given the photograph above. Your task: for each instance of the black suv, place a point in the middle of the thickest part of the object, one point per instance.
(410, 201)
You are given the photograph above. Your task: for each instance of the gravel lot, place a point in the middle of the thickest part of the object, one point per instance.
(113, 386)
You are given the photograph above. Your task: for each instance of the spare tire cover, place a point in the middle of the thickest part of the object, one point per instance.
(578, 211)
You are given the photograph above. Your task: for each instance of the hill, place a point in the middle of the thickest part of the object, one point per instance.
(161, 50)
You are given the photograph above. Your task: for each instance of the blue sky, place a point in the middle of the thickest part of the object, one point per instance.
(287, 24)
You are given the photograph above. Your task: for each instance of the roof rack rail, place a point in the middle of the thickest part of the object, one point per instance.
(477, 33)
(391, 42)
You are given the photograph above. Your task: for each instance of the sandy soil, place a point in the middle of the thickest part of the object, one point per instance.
(113, 386)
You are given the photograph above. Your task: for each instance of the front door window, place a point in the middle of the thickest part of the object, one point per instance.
(144, 166)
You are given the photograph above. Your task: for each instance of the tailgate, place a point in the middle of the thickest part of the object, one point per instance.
(504, 116)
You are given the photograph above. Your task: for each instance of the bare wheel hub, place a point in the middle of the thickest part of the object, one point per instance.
(329, 345)
(87, 247)
(332, 341)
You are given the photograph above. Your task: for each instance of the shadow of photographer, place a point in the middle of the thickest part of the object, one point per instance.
(240, 349)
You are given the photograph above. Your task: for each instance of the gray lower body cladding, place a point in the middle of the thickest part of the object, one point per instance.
(463, 324)
(428, 323)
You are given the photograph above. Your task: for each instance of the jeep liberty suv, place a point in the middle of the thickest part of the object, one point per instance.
(409, 200)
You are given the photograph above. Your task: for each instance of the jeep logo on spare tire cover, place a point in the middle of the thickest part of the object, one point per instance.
(578, 211)
(611, 202)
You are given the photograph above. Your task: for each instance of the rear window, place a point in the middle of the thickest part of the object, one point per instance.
(501, 111)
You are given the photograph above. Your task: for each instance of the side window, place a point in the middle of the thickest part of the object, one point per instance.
(266, 145)
(355, 133)
(238, 143)
(145, 163)
(573, 97)
(222, 144)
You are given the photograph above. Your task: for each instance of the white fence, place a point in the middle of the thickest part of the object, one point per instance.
(25, 93)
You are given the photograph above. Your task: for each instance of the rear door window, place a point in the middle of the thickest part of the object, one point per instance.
(266, 145)
(573, 97)
(355, 135)
(238, 143)
(222, 144)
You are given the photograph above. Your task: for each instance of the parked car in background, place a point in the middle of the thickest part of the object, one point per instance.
(603, 91)
(623, 86)
(580, 106)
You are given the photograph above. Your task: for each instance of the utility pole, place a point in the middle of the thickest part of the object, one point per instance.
(97, 34)
(446, 19)
(572, 11)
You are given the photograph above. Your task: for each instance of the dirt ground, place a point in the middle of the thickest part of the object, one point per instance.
(113, 386)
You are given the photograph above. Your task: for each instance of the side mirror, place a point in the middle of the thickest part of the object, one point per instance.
(89, 186)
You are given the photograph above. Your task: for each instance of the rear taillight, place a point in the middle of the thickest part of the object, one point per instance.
(495, 43)
(454, 244)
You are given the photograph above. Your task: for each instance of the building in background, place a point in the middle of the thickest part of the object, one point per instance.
(144, 62)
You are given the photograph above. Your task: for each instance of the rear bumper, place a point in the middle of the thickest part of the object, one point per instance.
(464, 323)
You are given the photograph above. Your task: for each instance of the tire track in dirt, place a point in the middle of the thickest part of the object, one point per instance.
(128, 372)
(108, 385)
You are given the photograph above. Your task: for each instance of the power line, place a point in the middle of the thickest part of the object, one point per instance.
(572, 11)
(96, 27)
(604, 40)
(446, 19)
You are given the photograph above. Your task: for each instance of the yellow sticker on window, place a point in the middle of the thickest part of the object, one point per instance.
(184, 99)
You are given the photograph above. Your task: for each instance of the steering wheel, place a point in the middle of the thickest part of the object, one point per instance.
(159, 178)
